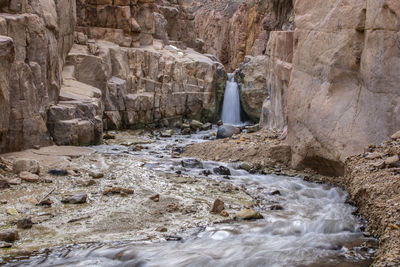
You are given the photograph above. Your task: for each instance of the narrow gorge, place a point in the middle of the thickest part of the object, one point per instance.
(200, 133)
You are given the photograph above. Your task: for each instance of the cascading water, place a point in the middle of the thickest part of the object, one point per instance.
(231, 105)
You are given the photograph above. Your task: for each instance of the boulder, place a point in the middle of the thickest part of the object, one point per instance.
(195, 125)
(226, 131)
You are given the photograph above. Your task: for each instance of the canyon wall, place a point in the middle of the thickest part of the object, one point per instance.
(35, 37)
(344, 89)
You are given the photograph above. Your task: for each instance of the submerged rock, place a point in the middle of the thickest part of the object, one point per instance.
(226, 131)
(248, 214)
(222, 170)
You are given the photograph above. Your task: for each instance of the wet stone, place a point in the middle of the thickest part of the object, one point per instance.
(222, 170)
(206, 172)
(9, 235)
(276, 207)
(224, 213)
(192, 163)
(218, 206)
(25, 223)
(167, 133)
(276, 192)
(77, 198)
(155, 198)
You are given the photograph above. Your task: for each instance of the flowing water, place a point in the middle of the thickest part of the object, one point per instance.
(315, 228)
(231, 105)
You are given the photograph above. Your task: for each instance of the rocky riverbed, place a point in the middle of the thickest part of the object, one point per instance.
(120, 203)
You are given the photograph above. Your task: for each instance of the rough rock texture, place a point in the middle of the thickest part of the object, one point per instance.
(251, 78)
(279, 55)
(375, 188)
(35, 37)
(344, 90)
(233, 29)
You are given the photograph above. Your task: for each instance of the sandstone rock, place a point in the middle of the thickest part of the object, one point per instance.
(226, 131)
(26, 165)
(75, 198)
(9, 236)
(29, 177)
(248, 214)
(218, 206)
(222, 170)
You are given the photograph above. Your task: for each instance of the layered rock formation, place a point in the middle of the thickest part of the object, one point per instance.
(35, 37)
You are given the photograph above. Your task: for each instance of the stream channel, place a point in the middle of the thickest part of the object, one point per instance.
(315, 228)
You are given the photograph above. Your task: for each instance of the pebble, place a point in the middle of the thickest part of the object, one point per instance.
(76, 198)
(155, 198)
(224, 213)
(96, 174)
(218, 206)
(9, 236)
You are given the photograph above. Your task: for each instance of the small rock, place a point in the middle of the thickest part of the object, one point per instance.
(393, 161)
(224, 213)
(253, 129)
(173, 238)
(26, 165)
(396, 136)
(276, 192)
(218, 206)
(5, 245)
(161, 229)
(276, 207)
(219, 123)
(31, 200)
(374, 155)
(117, 190)
(77, 198)
(96, 174)
(29, 177)
(185, 131)
(45, 202)
(185, 126)
(206, 126)
(136, 147)
(47, 180)
(195, 125)
(222, 170)
(206, 172)
(246, 166)
(37, 147)
(248, 214)
(56, 172)
(379, 164)
(226, 131)
(167, 133)
(14, 181)
(25, 223)
(109, 136)
(3, 202)
(175, 155)
(155, 198)
(9, 236)
(192, 163)
(86, 183)
(4, 184)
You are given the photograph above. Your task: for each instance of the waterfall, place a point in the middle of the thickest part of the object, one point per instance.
(231, 105)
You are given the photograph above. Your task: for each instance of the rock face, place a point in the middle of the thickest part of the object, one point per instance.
(233, 29)
(35, 37)
(344, 92)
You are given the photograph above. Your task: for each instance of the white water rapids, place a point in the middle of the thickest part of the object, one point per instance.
(231, 105)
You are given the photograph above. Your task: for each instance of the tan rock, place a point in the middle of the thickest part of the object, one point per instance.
(29, 177)
(396, 135)
(393, 161)
(218, 206)
(248, 214)
(26, 165)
